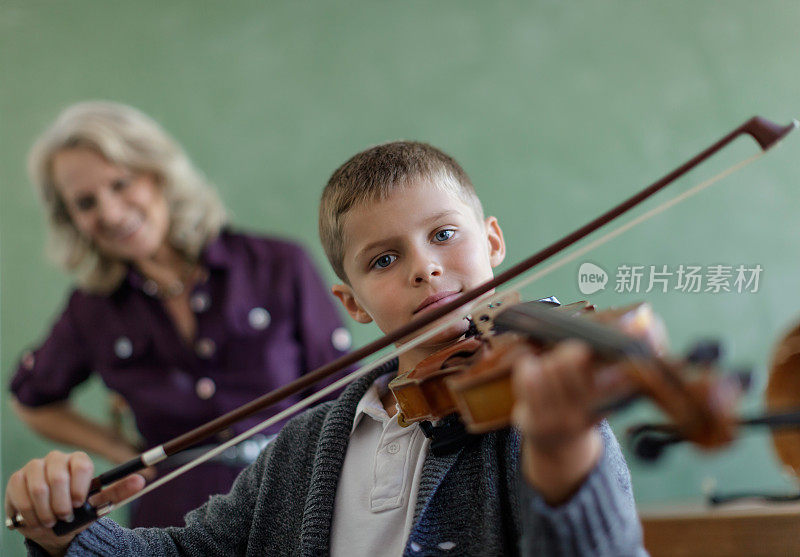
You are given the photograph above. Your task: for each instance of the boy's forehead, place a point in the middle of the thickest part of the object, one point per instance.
(419, 194)
(406, 207)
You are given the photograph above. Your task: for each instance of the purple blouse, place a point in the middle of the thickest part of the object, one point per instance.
(264, 317)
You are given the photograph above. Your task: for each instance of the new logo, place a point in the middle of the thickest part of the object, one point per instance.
(591, 278)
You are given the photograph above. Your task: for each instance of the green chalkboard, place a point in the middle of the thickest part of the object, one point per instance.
(557, 111)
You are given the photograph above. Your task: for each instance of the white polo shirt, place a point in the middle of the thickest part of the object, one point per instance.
(377, 491)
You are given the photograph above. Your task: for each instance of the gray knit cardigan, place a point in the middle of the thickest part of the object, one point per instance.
(472, 502)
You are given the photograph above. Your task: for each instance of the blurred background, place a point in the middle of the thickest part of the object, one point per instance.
(556, 111)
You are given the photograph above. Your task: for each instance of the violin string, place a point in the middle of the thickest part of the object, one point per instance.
(491, 299)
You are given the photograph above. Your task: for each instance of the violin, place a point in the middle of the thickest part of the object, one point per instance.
(781, 397)
(470, 377)
(688, 396)
(473, 377)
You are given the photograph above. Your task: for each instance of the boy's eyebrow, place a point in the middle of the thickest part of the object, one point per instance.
(441, 214)
(434, 217)
(371, 246)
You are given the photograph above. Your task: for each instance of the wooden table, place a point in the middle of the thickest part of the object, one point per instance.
(747, 529)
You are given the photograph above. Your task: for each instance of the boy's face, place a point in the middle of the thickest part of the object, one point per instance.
(412, 252)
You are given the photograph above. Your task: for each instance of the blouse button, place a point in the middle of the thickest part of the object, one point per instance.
(28, 360)
(340, 338)
(393, 448)
(200, 302)
(150, 287)
(205, 348)
(123, 348)
(205, 388)
(259, 318)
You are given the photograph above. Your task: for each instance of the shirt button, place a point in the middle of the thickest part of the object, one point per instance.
(123, 348)
(205, 348)
(259, 318)
(340, 338)
(205, 388)
(150, 287)
(200, 302)
(28, 360)
(393, 448)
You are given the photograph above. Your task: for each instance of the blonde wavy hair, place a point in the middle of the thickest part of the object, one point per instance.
(126, 137)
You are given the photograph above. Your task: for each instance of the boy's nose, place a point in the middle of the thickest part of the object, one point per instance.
(427, 271)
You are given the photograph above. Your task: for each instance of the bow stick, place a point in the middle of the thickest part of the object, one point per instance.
(767, 134)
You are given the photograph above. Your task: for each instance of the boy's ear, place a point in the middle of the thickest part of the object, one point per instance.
(348, 299)
(496, 243)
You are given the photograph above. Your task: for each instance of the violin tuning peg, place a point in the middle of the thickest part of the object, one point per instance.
(649, 447)
(704, 352)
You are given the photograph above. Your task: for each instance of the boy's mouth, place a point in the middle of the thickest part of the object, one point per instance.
(436, 300)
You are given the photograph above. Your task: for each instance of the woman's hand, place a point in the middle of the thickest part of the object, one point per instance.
(61, 423)
(48, 489)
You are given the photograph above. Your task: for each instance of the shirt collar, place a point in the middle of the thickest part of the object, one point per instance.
(214, 256)
(216, 253)
(370, 404)
(133, 278)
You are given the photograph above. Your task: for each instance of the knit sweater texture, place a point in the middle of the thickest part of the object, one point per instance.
(471, 502)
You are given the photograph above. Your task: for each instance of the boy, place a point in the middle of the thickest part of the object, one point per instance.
(405, 232)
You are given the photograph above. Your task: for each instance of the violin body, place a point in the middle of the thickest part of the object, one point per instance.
(483, 392)
(472, 377)
(446, 381)
(781, 395)
(422, 392)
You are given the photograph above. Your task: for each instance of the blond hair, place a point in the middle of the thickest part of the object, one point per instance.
(373, 174)
(126, 137)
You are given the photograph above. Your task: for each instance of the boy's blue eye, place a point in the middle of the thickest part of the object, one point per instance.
(444, 235)
(384, 261)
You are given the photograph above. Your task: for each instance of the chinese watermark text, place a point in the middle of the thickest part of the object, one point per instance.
(687, 278)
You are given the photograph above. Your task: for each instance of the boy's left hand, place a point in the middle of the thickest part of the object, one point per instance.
(558, 394)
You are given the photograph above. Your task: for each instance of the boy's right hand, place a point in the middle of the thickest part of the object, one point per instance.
(47, 489)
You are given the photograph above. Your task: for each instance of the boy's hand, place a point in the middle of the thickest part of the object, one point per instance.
(47, 489)
(558, 394)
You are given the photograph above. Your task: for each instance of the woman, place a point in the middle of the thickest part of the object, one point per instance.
(182, 317)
